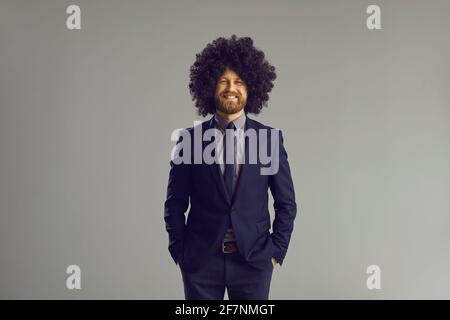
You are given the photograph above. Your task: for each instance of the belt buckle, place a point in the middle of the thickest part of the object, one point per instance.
(224, 247)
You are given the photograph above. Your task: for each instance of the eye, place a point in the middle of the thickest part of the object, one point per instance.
(239, 83)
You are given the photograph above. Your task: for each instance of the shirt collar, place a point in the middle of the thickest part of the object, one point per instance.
(223, 123)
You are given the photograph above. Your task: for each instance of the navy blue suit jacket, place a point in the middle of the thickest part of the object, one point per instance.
(202, 187)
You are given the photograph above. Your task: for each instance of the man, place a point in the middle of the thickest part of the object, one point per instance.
(226, 242)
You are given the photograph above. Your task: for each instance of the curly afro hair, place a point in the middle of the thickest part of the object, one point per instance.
(240, 55)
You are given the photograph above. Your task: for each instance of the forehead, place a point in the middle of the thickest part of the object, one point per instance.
(230, 74)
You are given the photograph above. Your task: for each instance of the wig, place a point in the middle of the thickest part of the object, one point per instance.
(237, 54)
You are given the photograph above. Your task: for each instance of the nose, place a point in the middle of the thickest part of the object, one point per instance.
(231, 87)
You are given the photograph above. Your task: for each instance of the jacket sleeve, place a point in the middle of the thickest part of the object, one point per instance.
(175, 206)
(282, 189)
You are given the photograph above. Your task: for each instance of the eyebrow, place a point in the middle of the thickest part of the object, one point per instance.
(235, 79)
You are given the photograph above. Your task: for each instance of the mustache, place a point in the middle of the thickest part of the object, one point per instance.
(230, 94)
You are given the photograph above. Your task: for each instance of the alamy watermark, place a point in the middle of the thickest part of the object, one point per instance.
(73, 281)
(374, 280)
(257, 140)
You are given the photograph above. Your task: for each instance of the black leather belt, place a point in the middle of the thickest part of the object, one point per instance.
(229, 246)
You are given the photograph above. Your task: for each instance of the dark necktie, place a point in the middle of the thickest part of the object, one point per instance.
(229, 171)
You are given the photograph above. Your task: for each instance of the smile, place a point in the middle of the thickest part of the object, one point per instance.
(230, 97)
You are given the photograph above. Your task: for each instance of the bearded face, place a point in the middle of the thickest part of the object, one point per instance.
(231, 93)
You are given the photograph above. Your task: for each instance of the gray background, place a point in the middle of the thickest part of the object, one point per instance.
(86, 118)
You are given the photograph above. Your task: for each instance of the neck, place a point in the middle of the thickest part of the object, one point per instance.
(230, 117)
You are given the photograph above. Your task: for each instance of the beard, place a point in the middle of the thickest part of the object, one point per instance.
(229, 107)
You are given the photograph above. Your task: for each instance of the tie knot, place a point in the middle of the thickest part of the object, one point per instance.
(231, 126)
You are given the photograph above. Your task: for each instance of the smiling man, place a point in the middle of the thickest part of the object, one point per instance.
(226, 242)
